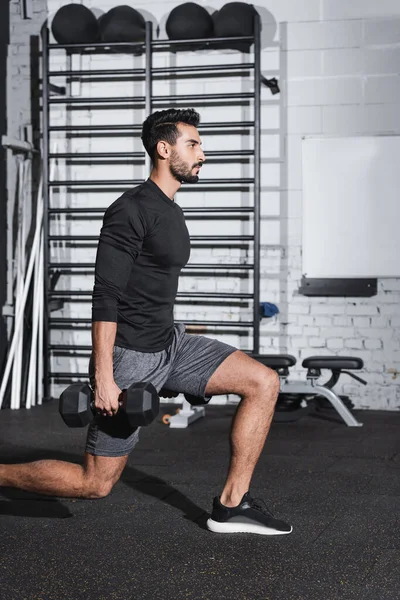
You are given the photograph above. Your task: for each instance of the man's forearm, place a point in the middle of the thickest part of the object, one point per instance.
(103, 339)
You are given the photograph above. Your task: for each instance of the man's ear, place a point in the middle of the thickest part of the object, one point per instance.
(163, 149)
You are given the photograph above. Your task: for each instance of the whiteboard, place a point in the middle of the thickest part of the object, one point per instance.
(351, 207)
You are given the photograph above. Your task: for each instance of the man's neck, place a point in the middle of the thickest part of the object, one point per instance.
(168, 184)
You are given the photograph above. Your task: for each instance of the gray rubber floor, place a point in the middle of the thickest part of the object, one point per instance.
(338, 486)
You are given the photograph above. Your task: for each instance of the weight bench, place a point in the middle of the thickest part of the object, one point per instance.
(310, 389)
(302, 390)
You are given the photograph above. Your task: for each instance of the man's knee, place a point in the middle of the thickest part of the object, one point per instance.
(101, 474)
(268, 380)
(98, 490)
(98, 487)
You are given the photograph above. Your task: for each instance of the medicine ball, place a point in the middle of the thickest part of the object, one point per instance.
(234, 19)
(75, 24)
(122, 24)
(189, 21)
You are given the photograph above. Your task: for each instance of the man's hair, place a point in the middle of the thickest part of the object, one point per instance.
(161, 125)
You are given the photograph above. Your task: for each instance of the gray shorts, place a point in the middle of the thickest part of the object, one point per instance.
(185, 366)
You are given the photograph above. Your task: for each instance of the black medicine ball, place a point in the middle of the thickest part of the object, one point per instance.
(122, 24)
(75, 24)
(189, 21)
(234, 19)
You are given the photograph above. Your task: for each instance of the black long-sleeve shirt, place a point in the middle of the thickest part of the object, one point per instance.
(144, 243)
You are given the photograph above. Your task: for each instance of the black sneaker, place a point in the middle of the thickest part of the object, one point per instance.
(250, 516)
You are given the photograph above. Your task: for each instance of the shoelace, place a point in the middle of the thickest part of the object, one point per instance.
(259, 504)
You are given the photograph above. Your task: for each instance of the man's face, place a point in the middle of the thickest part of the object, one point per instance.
(187, 156)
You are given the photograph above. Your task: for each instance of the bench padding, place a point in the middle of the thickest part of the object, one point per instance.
(335, 363)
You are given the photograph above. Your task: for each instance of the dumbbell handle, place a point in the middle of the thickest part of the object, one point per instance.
(121, 402)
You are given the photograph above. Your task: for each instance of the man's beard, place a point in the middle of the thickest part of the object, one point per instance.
(181, 171)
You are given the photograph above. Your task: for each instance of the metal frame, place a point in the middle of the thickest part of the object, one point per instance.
(148, 74)
(46, 215)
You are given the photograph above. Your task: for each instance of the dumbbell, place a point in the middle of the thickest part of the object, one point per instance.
(140, 402)
(197, 400)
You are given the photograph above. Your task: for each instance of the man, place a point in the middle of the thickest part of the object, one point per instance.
(144, 244)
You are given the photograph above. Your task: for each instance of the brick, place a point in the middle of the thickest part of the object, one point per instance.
(372, 344)
(391, 285)
(377, 334)
(323, 321)
(361, 309)
(302, 63)
(319, 35)
(342, 332)
(304, 119)
(381, 61)
(391, 298)
(356, 343)
(299, 309)
(325, 91)
(305, 320)
(311, 331)
(381, 32)
(346, 61)
(342, 321)
(391, 346)
(326, 309)
(293, 330)
(376, 120)
(361, 321)
(317, 343)
(385, 86)
(298, 342)
(343, 119)
(356, 9)
(334, 343)
(382, 321)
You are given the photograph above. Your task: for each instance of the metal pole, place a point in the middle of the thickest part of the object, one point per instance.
(148, 84)
(257, 178)
(45, 177)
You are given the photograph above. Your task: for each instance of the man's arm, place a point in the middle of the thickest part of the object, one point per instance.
(106, 391)
(120, 243)
(103, 339)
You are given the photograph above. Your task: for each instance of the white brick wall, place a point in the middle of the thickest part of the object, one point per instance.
(339, 64)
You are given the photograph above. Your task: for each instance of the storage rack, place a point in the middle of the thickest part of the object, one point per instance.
(53, 94)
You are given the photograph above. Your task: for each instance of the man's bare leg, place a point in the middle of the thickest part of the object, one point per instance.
(94, 479)
(259, 387)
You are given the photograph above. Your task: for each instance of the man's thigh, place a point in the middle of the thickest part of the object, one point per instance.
(241, 374)
(195, 360)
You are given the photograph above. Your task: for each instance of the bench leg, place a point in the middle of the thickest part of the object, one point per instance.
(338, 405)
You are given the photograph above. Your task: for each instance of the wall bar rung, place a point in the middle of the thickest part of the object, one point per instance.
(80, 321)
(217, 267)
(193, 68)
(101, 211)
(79, 155)
(205, 295)
(196, 238)
(131, 182)
(104, 100)
(96, 72)
(202, 126)
(203, 40)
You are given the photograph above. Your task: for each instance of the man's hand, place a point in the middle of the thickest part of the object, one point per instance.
(106, 398)
(168, 394)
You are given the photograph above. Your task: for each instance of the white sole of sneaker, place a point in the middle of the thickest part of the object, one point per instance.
(218, 527)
